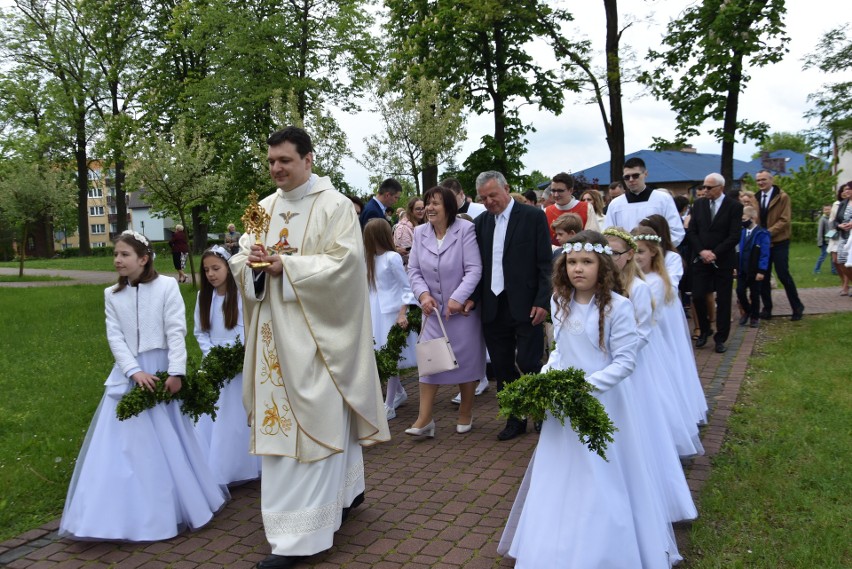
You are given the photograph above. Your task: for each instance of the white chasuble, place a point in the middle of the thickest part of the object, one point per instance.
(308, 333)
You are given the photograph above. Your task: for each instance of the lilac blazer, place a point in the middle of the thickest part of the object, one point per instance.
(451, 272)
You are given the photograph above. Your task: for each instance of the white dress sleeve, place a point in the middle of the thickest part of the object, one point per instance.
(622, 346)
(121, 351)
(203, 337)
(174, 326)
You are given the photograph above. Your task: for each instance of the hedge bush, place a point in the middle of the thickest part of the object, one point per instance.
(804, 231)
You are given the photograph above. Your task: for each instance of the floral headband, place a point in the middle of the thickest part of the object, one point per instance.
(648, 238)
(220, 251)
(137, 236)
(587, 247)
(623, 235)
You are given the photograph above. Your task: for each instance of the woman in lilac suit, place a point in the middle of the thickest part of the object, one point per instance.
(444, 268)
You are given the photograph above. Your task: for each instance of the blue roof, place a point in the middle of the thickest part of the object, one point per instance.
(673, 166)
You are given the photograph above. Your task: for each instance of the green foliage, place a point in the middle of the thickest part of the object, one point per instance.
(797, 142)
(200, 388)
(700, 68)
(832, 104)
(387, 357)
(563, 394)
(422, 127)
(809, 187)
(481, 48)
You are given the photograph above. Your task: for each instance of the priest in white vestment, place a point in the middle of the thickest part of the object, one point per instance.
(315, 398)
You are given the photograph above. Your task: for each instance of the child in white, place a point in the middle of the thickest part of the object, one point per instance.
(144, 478)
(390, 296)
(672, 322)
(219, 322)
(652, 385)
(575, 509)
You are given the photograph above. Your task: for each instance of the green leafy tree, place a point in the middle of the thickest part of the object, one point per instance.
(419, 130)
(832, 104)
(31, 193)
(481, 48)
(797, 142)
(40, 38)
(176, 174)
(702, 67)
(810, 187)
(111, 32)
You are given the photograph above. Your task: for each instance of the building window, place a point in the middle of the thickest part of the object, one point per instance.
(95, 210)
(98, 229)
(94, 174)
(99, 244)
(113, 228)
(113, 210)
(96, 193)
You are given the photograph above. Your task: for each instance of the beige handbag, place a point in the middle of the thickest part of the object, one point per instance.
(434, 356)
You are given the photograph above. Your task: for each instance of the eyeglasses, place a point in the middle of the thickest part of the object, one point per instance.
(618, 253)
(708, 187)
(632, 176)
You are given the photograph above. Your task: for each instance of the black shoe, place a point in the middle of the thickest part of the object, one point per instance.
(359, 499)
(765, 315)
(744, 320)
(755, 322)
(721, 348)
(514, 427)
(279, 561)
(702, 340)
(797, 314)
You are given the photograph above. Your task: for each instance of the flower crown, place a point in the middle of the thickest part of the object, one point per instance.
(220, 251)
(648, 238)
(623, 235)
(138, 236)
(587, 247)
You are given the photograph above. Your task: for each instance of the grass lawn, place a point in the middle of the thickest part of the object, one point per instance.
(53, 362)
(30, 278)
(803, 257)
(778, 494)
(163, 264)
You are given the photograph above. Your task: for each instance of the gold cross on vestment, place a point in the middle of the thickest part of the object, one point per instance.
(289, 215)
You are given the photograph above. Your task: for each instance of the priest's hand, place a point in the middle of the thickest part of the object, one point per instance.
(276, 267)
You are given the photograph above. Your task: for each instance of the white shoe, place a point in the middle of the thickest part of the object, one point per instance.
(456, 400)
(400, 397)
(482, 387)
(391, 412)
(462, 429)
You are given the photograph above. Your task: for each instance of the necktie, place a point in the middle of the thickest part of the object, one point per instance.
(712, 209)
(765, 200)
(497, 255)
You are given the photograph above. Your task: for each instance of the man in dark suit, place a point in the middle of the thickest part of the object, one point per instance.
(514, 292)
(713, 234)
(388, 194)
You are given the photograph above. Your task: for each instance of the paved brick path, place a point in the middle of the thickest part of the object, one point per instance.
(433, 503)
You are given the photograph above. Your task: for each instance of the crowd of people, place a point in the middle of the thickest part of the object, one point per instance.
(517, 284)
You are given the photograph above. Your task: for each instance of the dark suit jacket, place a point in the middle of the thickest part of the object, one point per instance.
(372, 210)
(720, 235)
(526, 262)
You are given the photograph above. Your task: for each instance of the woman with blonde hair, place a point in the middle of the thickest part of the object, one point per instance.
(403, 232)
(595, 199)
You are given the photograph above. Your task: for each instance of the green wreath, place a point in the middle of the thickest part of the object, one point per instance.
(200, 388)
(564, 394)
(387, 358)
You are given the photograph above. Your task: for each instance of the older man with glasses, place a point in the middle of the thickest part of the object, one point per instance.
(640, 201)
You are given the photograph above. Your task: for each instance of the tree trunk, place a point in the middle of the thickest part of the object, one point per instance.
(429, 175)
(199, 229)
(615, 134)
(730, 123)
(82, 187)
(22, 251)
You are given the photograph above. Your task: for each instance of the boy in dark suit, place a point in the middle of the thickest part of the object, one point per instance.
(752, 266)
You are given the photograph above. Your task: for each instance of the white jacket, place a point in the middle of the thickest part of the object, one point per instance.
(147, 317)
